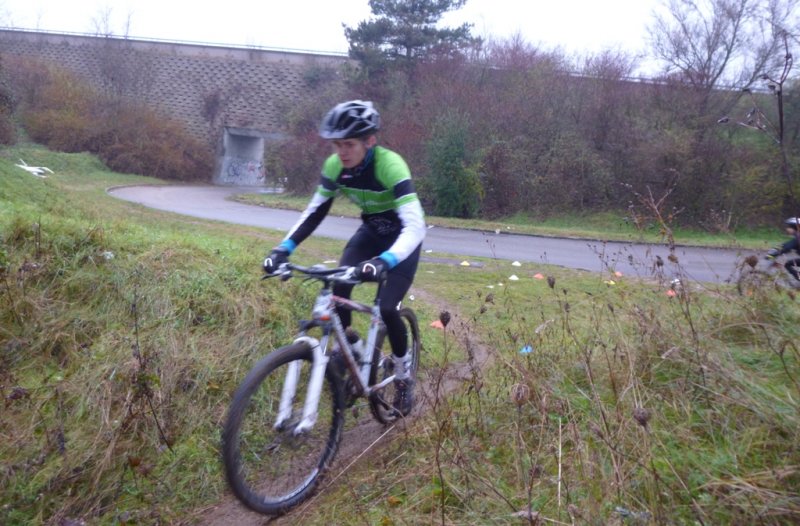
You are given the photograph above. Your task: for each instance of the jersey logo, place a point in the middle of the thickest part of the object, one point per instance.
(383, 226)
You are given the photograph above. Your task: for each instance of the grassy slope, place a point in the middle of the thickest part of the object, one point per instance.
(111, 353)
(116, 370)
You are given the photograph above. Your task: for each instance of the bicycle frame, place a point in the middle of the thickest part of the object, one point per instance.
(776, 268)
(324, 315)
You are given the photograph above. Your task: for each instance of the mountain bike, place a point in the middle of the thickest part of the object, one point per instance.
(285, 420)
(759, 275)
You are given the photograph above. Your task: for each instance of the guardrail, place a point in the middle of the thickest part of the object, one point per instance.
(181, 42)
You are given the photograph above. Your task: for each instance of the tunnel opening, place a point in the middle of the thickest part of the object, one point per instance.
(242, 159)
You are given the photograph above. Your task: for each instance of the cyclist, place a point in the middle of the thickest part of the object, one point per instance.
(390, 237)
(792, 265)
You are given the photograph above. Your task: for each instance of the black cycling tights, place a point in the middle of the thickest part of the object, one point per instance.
(366, 245)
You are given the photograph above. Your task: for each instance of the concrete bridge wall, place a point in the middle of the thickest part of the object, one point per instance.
(230, 98)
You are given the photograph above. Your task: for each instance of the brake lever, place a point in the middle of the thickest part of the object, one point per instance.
(282, 272)
(348, 274)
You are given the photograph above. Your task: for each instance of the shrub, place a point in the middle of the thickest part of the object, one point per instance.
(453, 183)
(571, 174)
(296, 162)
(59, 110)
(141, 142)
(7, 132)
(65, 114)
(61, 130)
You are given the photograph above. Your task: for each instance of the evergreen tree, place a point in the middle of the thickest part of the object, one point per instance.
(404, 32)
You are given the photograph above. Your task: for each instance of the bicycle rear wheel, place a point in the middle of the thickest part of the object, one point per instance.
(380, 402)
(269, 469)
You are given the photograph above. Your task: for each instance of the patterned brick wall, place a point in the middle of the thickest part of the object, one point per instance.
(206, 87)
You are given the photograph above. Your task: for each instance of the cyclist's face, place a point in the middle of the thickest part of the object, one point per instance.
(352, 151)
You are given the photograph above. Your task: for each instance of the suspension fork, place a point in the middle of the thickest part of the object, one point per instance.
(316, 380)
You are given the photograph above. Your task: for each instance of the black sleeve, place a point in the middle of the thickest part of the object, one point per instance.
(311, 222)
(790, 245)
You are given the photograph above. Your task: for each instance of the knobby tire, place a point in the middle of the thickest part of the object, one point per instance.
(380, 402)
(271, 470)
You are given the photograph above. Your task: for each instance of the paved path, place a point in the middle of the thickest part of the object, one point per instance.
(697, 264)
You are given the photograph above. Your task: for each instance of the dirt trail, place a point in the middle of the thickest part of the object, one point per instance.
(362, 439)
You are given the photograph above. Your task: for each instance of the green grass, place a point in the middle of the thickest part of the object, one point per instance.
(719, 395)
(124, 330)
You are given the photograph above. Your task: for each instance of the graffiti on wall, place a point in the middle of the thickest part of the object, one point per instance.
(243, 172)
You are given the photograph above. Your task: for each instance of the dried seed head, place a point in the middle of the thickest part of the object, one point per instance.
(673, 258)
(444, 317)
(551, 281)
(18, 393)
(520, 394)
(641, 415)
(751, 261)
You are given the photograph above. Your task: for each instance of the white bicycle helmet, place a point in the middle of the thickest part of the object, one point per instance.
(349, 120)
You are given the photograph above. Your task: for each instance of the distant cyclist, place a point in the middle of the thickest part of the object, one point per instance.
(793, 245)
(390, 238)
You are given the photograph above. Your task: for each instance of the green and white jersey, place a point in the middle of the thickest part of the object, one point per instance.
(382, 189)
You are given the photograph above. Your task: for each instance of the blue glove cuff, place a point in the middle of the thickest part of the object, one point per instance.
(288, 245)
(390, 259)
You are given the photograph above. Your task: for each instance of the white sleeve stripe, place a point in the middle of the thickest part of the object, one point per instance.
(413, 231)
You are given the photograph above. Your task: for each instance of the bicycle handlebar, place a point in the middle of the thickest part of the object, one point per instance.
(320, 272)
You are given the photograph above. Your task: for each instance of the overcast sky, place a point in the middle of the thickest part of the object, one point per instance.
(576, 26)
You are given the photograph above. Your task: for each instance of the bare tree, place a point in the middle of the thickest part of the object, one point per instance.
(126, 72)
(711, 50)
(712, 44)
(102, 23)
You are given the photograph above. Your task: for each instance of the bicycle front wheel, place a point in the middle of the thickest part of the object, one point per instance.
(271, 467)
(380, 402)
